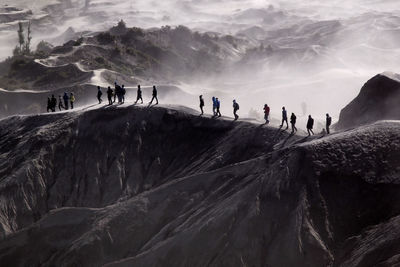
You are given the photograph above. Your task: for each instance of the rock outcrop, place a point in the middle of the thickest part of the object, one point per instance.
(161, 187)
(378, 100)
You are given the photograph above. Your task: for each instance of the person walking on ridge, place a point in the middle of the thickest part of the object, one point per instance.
(139, 94)
(293, 122)
(284, 118)
(53, 103)
(214, 100)
(266, 113)
(310, 125)
(123, 92)
(154, 95)
(110, 95)
(99, 94)
(201, 104)
(218, 107)
(235, 109)
(328, 123)
(60, 104)
(72, 100)
(66, 99)
(48, 104)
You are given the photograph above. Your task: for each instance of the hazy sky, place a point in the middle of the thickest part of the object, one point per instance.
(367, 43)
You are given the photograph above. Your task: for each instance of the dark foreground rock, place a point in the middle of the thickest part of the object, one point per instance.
(159, 187)
(378, 100)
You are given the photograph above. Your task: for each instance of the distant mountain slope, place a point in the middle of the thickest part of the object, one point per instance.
(162, 187)
(378, 100)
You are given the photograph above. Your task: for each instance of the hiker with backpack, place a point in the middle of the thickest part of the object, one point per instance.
(201, 104)
(110, 95)
(284, 118)
(139, 94)
(218, 107)
(266, 113)
(328, 123)
(154, 95)
(72, 100)
(66, 99)
(99, 94)
(214, 106)
(310, 125)
(235, 109)
(293, 119)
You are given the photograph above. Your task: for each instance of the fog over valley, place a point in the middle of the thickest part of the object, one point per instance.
(290, 52)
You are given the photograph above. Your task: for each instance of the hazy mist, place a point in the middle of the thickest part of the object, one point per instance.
(323, 52)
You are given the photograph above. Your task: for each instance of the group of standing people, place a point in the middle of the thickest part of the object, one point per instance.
(119, 93)
(65, 102)
(112, 95)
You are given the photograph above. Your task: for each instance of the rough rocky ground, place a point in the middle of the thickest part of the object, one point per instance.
(163, 187)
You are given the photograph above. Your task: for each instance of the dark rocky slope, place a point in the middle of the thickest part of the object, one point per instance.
(378, 100)
(159, 187)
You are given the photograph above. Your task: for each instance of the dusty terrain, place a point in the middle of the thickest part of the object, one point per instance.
(163, 187)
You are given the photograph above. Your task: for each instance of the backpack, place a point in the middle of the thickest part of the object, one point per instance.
(237, 106)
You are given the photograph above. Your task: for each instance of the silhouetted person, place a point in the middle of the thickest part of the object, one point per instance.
(214, 100)
(99, 94)
(116, 86)
(109, 95)
(66, 99)
(72, 100)
(235, 109)
(60, 103)
(53, 103)
(139, 94)
(328, 123)
(218, 107)
(201, 104)
(284, 118)
(310, 125)
(266, 113)
(48, 104)
(154, 95)
(293, 122)
(123, 92)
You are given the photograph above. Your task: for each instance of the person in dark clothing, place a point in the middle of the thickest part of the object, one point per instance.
(109, 95)
(201, 104)
(53, 103)
(310, 125)
(214, 100)
(218, 107)
(123, 92)
(139, 94)
(266, 113)
(99, 94)
(66, 98)
(293, 122)
(72, 100)
(60, 104)
(328, 123)
(48, 104)
(284, 118)
(116, 86)
(235, 109)
(154, 95)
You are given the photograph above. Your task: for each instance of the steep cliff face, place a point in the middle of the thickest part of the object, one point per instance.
(160, 187)
(378, 100)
